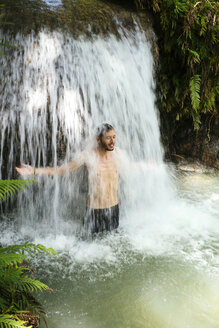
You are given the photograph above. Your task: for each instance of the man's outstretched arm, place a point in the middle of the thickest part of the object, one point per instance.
(25, 169)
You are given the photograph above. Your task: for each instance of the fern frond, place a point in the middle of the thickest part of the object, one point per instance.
(12, 276)
(180, 7)
(18, 277)
(16, 300)
(28, 248)
(195, 56)
(39, 248)
(16, 283)
(12, 187)
(11, 321)
(33, 285)
(11, 259)
(194, 86)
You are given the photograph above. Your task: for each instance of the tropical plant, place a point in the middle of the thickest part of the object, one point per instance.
(187, 80)
(12, 187)
(11, 321)
(17, 285)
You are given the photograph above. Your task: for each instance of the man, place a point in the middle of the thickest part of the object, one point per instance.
(102, 166)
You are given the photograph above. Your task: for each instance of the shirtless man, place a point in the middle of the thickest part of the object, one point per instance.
(102, 166)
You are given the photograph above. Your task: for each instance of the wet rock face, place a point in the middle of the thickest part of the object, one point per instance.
(202, 145)
(80, 17)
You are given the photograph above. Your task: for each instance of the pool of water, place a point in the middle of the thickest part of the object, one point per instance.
(155, 272)
(160, 269)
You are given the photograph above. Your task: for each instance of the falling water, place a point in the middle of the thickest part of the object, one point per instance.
(58, 90)
(55, 90)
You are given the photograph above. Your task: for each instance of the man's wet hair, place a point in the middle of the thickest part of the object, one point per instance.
(101, 129)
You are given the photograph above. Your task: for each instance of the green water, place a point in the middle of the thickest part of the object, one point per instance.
(110, 283)
(153, 292)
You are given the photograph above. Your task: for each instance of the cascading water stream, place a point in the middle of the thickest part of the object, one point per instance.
(58, 90)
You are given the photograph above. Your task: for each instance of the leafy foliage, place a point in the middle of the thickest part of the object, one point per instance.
(11, 321)
(194, 85)
(17, 284)
(188, 78)
(12, 187)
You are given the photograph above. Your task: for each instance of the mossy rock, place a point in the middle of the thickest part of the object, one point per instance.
(80, 17)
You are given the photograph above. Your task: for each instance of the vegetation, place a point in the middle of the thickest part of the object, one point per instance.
(187, 80)
(17, 284)
(11, 187)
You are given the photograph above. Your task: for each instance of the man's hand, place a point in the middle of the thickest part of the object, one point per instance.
(25, 170)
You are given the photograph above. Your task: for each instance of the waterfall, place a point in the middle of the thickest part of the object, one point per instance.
(55, 91)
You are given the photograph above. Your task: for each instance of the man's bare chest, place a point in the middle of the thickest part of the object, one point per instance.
(103, 170)
(107, 170)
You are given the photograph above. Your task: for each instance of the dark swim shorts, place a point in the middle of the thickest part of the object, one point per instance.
(103, 219)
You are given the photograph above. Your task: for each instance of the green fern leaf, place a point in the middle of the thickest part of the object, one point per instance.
(28, 248)
(11, 321)
(195, 56)
(11, 259)
(32, 285)
(12, 187)
(12, 275)
(194, 86)
(16, 283)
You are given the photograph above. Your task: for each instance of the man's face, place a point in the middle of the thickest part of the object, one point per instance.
(108, 140)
